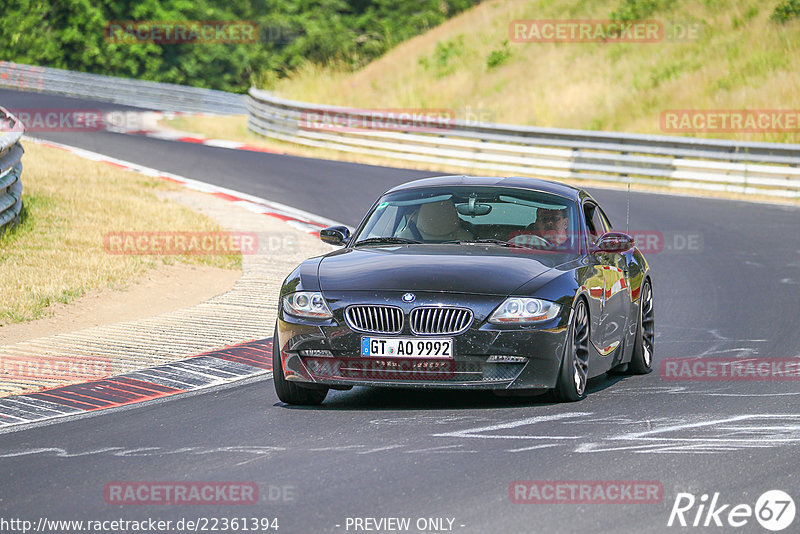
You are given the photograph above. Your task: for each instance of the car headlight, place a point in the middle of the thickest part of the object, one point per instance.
(307, 304)
(524, 311)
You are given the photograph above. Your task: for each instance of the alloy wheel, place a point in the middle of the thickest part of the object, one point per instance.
(648, 324)
(580, 353)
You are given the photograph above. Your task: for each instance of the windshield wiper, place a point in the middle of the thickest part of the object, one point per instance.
(480, 241)
(386, 241)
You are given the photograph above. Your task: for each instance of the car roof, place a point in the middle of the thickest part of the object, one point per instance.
(521, 182)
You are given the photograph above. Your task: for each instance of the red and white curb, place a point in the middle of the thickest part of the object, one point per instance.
(302, 220)
(146, 123)
(217, 143)
(207, 370)
(215, 368)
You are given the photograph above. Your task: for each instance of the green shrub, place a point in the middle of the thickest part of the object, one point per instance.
(442, 60)
(69, 34)
(639, 9)
(785, 11)
(498, 57)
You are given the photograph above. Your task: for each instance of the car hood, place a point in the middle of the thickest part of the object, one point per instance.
(478, 269)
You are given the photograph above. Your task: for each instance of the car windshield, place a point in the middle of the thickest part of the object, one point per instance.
(499, 216)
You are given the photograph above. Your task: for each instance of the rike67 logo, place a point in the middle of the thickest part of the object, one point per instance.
(774, 510)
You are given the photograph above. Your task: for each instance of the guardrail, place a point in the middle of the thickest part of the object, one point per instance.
(10, 169)
(127, 91)
(763, 168)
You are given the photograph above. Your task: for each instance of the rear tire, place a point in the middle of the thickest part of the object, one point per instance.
(574, 372)
(642, 358)
(289, 392)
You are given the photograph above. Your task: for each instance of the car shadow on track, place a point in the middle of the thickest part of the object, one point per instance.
(372, 398)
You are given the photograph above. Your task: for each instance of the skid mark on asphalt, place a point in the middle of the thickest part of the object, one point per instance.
(715, 345)
(428, 420)
(380, 449)
(492, 431)
(699, 435)
(710, 436)
(706, 390)
(144, 452)
(534, 447)
(721, 391)
(440, 449)
(200, 372)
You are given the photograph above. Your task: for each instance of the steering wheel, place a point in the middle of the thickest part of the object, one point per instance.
(531, 240)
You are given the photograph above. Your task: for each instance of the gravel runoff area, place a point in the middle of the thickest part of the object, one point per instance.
(246, 312)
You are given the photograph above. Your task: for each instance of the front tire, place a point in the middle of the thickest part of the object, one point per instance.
(642, 358)
(289, 392)
(574, 372)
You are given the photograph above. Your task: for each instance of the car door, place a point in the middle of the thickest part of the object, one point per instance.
(615, 298)
(629, 310)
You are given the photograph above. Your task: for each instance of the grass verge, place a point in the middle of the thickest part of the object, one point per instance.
(737, 56)
(56, 254)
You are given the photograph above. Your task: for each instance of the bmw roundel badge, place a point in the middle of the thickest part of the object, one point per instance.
(409, 297)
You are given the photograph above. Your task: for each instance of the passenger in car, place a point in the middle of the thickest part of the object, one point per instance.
(436, 221)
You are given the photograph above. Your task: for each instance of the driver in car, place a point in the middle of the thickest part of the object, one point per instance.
(552, 225)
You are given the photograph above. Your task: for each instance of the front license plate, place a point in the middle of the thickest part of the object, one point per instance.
(407, 347)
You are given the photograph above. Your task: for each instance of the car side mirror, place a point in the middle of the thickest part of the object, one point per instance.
(335, 235)
(614, 242)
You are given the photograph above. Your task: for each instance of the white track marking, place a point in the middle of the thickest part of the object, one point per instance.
(542, 446)
(440, 449)
(478, 432)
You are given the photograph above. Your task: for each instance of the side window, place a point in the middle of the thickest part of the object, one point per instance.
(594, 221)
(606, 221)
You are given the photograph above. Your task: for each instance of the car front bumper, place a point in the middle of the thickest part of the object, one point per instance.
(328, 352)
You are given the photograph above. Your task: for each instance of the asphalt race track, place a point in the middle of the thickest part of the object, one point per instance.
(726, 284)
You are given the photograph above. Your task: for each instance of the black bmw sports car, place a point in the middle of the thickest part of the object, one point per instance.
(515, 285)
